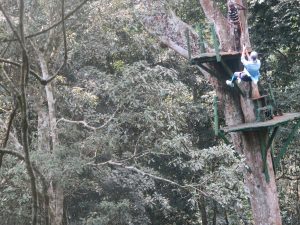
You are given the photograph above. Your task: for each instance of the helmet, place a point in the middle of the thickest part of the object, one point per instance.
(253, 55)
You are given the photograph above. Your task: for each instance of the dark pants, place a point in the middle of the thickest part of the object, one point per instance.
(240, 75)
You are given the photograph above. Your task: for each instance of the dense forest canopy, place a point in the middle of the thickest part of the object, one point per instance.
(102, 123)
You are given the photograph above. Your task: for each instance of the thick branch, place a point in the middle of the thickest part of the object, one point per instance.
(55, 24)
(11, 84)
(85, 124)
(23, 104)
(19, 38)
(35, 74)
(214, 15)
(160, 21)
(134, 169)
(9, 125)
(64, 32)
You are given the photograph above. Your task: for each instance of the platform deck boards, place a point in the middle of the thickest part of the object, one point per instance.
(276, 121)
(211, 57)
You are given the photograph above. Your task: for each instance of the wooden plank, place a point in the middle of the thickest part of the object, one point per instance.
(276, 121)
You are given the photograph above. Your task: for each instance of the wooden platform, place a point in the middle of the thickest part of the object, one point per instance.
(276, 121)
(211, 57)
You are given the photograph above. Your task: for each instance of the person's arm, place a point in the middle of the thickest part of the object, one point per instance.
(244, 53)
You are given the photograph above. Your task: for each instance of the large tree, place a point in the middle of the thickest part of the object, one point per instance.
(160, 20)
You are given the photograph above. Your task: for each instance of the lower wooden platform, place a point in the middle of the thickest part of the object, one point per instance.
(276, 121)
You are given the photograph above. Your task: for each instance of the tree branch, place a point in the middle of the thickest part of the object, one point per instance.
(24, 115)
(11, 85)
(12, 26)
(11, 118)
(85, 124)
(35, 74)
(134, 169)
(82, 122)
(55, 24)
(64, 31)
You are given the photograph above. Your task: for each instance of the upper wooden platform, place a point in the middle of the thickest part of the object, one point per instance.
(211, 57)
(276, 121)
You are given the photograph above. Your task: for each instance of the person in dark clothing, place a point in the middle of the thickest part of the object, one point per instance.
(234, 22)
(233, 15)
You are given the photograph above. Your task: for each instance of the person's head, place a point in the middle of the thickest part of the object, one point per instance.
(253, 56)
(231, 4)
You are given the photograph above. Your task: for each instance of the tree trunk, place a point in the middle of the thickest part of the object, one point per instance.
(43, 125)
(47, 121)
(50, 101)
(263, 194)
(56, 194)
(202, 207)
(237, 109)
(215, 209)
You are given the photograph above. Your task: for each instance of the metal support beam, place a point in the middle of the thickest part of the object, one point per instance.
(271, 138)
(199, 27)
(286, 144)
(221, 134)
(215, 41)
(216, 118)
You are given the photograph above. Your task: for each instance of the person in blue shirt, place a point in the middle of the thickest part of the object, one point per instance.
(251, 69)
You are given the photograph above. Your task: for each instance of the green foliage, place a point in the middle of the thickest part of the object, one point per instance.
(122, 99)
(275, 28)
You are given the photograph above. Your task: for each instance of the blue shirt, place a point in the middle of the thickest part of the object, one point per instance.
(251, 68)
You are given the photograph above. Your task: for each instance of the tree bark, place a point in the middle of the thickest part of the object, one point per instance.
(237, 108)
(47, 119)
(50, 101)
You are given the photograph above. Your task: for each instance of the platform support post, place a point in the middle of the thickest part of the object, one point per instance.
(216, 118)
(215, 41)
(271, 138)
(201, 39)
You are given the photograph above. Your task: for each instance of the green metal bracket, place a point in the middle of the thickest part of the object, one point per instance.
(215, 41)
(199, 27)
(271, 138)
(264, 152)
(272, 95)
(221, 134)
(272, 155)
(286, 144)
(188, 42)
(269, 145)
(216, 118)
